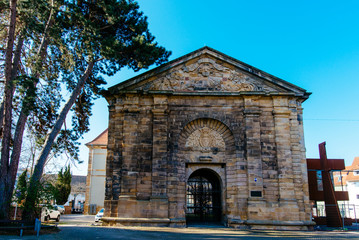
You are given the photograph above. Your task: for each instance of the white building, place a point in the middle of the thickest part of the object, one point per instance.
(95, 184)
(352, 182)
(348, 180)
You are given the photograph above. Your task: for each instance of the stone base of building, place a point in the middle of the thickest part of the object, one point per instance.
(153, 222)
(271, 225)
(239, 224)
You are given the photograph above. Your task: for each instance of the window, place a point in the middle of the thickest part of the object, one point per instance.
(319, 181)
(357, 196)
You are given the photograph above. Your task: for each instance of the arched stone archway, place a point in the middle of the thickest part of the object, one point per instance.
(203, 197)
(206, 146)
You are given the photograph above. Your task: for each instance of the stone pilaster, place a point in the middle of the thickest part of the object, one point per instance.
(112, 177)
(129, 167)
(297, 158)
(160, 143)
(88, 181)
(305, 209)
(281, 114)
(253, 144)
(110, 152)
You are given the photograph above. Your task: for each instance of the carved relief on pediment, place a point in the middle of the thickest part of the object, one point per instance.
(170, 81)
(204, 66)
(206, 70)
(240, 82)
(205, 140)
(205, 75)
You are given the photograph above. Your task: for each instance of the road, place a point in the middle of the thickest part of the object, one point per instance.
(81, 227)
(78, 220)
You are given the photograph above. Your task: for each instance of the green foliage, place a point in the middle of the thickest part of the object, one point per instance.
(62, 188)
(62, 38)
(65, 177)
(21, 188)
(44, 194)
(27, 92)
(114, 33)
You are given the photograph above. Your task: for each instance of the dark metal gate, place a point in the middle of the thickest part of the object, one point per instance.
(203, 199)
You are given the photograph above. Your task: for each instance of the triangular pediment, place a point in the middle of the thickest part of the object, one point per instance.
(208, 71)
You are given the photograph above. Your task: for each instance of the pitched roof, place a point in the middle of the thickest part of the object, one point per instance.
(354, 167)
(100, 140)
(250, 70)
(348, 173)
(355, 164)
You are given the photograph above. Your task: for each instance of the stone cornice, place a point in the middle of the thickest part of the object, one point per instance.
(252, 112)
(208, 93)
(159, 111)
(130, 110)
(281, 113)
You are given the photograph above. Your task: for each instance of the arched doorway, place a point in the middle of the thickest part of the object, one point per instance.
(203, 198)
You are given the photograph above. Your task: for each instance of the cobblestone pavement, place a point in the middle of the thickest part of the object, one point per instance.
(84, 227)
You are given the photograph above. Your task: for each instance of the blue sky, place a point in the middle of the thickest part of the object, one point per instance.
(312, 44)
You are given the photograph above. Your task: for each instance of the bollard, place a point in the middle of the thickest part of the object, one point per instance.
(37, 226)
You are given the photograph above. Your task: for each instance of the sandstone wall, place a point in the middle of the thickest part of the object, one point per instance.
(153, 148)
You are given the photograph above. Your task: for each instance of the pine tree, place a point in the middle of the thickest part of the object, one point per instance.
(62, 187)
(49, 45)
(21, 188)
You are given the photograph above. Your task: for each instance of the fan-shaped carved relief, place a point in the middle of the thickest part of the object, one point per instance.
(205, 140)
(205, 75)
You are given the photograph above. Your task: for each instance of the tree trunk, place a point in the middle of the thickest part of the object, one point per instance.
(20, 127)
(12, 170)
(8, 96)
(30, 202)
(14, 72)
(10, 177)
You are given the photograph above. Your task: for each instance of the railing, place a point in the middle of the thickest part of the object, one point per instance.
(348, 212)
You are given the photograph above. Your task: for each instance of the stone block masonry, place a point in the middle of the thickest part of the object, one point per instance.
(206, 138)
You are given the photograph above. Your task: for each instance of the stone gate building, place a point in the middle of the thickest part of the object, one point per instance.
(206, 138)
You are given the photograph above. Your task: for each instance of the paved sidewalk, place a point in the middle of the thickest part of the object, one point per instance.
(83, 227)
(82, 232)
(78, 220)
